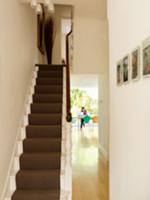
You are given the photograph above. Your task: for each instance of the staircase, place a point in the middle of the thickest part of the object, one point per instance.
(40, 162)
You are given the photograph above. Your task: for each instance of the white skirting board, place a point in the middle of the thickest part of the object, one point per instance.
(66, 164)
(103, 153)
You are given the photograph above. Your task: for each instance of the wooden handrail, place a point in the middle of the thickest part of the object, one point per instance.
(68, 97)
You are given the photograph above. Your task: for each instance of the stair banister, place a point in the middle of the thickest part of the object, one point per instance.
(68, 97)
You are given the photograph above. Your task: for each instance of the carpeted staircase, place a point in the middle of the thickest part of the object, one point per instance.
(40, 163)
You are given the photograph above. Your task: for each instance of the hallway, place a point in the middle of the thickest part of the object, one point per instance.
(90, 173)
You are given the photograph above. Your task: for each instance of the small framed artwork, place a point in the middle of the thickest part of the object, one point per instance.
(125, 65)
(146, 58)
(119, 73)
(135, 64)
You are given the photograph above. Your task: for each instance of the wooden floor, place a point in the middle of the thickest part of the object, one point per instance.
(90, 172)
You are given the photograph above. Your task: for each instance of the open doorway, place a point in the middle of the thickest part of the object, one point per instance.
(90, 174)
(84, 103)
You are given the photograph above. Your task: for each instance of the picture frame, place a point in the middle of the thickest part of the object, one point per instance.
(126, 70)
(135, 64)
(146, 58)
(119, 74)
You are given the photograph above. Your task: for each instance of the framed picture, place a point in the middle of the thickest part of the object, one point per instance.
(135, 64)
(146, 57)
(125, 65)
(119, 73)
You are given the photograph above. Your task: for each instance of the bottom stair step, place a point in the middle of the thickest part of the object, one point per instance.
(36, 195)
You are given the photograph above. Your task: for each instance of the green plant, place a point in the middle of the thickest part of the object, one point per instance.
(81, 98)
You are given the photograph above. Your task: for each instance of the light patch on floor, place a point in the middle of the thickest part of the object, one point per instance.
(90, 172)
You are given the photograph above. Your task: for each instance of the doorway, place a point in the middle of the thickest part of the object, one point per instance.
(90, 172)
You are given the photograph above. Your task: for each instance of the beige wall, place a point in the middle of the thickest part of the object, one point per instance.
(17, 52)
(90, 36)
(56, 54)
(129, 105)
(63, 46)
(61, 12)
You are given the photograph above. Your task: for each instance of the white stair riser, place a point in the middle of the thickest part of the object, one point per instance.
(30, 100)
(23, 133)
(28, 109)
(16, 164)
(19, 148)
(12, 183)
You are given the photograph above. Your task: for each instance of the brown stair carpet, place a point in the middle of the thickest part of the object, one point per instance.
(39, 175)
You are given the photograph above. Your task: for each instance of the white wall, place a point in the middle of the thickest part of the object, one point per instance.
(17, 52)
(104, 116)
(65, 28)
(129, 105)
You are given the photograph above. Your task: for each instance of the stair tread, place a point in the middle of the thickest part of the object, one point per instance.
(50, 65)
(45, 118)
(46, 104)
(42, 139)
(37, 141)
(40, 161)
(46, 108)
(49, 86)
(41, 154)
(42, 145)
(51, 73)
(46, 131)
(47, 81)
(48, 89)
(44, 172)
(49, 95)
(42, 98)
(52, 95)
(38, 179)
(45, 126)
(36, 195)
(46, 114)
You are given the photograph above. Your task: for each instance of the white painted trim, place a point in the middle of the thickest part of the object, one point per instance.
(66, 164)
(50, 4)
(103, 153)
(29, 1)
